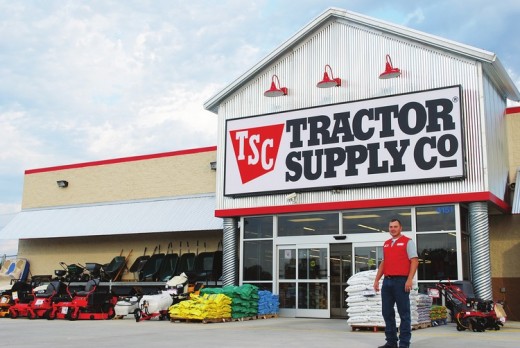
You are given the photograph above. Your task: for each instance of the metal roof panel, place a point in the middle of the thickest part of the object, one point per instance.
(192, 213)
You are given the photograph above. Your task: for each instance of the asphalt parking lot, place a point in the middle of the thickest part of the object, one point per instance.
(273, 332)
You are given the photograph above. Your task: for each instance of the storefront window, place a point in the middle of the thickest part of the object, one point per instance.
(367, 258)
(308, 224)
(258, 260)
(258, 227)
(437, 218)
(375, 221)
(437, 256)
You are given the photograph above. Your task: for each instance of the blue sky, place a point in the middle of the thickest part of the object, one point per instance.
(92, 80)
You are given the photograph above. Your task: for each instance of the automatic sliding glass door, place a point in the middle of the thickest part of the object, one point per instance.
(303, 280)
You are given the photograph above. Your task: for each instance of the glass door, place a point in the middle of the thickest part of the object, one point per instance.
(303, 280)
(367, 258)
(340, 272)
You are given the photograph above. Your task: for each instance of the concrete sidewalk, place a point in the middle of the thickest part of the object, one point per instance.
(275, 332)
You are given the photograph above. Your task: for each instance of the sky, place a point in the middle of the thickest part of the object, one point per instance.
(93, 80)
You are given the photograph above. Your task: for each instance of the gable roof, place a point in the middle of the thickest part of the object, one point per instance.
(491, 63)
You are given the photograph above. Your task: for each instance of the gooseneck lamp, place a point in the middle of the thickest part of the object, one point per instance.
(275, 91)
(390, 71)
(327, 81)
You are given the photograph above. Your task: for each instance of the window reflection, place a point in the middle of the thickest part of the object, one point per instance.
(258, 260)
(258, 227)
(437, 256)
(375, 221)
(308, 225)
(438, 218)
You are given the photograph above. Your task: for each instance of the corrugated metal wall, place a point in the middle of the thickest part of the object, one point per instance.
(496, 139)
(357, 56)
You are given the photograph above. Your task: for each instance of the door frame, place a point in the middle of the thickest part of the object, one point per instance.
(303, 312)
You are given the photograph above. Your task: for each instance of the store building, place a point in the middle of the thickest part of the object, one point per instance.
(349, 123)
(304, 179)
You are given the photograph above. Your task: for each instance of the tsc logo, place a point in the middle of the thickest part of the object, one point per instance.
(256, 150)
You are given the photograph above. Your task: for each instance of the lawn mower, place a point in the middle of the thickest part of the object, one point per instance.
(21, 297)
(92, 303)
(157, 305)
(44, 298)
(472, 313)
(22, 291)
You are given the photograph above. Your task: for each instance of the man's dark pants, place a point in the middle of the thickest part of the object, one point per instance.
(392, 292)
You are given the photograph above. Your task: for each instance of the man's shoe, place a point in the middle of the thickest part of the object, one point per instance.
(386, 345)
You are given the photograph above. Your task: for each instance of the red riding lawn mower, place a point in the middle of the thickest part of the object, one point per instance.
(20, 295)
(39, 304)
(472, 313)
(92, 303)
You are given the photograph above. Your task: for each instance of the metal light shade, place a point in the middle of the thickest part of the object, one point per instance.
(275, 91)
(390, 71)
(329, 82)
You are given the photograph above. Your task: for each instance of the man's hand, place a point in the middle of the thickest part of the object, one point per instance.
(408, 285)
(376, 285)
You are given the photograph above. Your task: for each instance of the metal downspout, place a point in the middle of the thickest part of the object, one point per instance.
(480, 255)
(229, 252)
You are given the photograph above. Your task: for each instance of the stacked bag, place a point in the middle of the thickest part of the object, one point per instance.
(244, 299)
(205, 306)
(268, 303)
(438, 315)
(424, 304)
(365, 306)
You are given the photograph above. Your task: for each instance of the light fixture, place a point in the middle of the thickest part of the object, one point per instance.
(213, 165)
(62, 183)
(390, 71)
(329, 82)
(340, 237)
(275, 91)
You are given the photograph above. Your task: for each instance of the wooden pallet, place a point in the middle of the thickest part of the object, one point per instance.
(203, 321)
(222, 320)
(376, 328)
(267, 316)
(421, 326)
(244, 318)
(366, 327)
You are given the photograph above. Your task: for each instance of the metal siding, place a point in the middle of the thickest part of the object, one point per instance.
(357, 55)
(194, 213)
(496, 139)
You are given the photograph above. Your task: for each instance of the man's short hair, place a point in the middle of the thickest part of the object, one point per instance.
(396, 220)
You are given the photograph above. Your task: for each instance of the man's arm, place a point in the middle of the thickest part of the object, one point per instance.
(379, 275)
(414, 263)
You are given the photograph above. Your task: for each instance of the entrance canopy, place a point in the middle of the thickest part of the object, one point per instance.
(179, 214)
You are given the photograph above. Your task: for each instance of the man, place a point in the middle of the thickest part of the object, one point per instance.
(399, 265)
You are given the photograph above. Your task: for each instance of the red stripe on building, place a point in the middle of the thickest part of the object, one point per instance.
(513, 110)
(373, 203)
(122, 160)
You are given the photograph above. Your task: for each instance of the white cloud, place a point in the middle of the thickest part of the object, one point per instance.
(95, 80)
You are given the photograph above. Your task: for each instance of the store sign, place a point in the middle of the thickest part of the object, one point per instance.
(403, 138)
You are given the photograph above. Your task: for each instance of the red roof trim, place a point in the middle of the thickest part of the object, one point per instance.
(122, 160)
(374, 203)
(513, 110)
